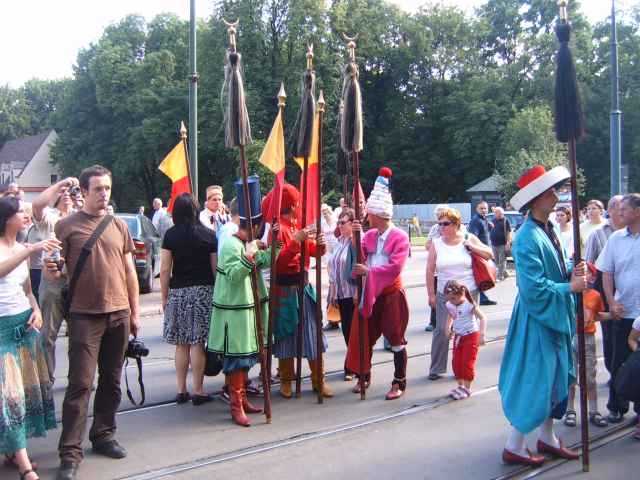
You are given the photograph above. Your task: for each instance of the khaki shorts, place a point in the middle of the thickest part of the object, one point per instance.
(591, 359)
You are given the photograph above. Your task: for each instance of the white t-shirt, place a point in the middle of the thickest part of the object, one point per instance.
(464, 320)
(12, 297)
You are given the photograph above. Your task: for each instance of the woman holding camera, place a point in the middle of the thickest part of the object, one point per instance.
(26, 404)
(186, 279)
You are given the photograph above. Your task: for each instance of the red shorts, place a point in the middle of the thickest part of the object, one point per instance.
(465, 353)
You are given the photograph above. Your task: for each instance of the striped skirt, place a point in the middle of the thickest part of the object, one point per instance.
(287, 347)
(26, 401)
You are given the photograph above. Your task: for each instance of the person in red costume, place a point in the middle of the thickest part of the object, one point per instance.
(286, 310)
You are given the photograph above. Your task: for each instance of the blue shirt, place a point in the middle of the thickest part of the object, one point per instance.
(621, 258)
(479, 226)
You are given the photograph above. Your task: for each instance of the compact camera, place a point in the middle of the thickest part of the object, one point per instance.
(74, 191)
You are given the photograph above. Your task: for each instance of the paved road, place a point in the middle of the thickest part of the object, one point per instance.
(423, 435)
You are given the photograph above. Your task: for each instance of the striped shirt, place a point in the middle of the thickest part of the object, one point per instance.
(596, 242)
(337, 269)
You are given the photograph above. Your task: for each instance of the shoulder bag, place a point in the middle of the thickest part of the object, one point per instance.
(484, 271)
(67, 295)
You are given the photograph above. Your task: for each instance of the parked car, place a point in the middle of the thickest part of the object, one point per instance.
(147, 248)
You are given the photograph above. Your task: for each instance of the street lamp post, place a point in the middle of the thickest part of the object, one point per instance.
(193, 101)
(616, 114)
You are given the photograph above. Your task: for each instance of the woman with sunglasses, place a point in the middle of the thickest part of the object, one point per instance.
(342, 286)
(450, 256)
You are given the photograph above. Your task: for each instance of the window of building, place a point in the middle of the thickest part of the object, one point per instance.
(54, 178)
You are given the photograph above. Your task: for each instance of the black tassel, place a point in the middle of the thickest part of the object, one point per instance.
(569, 116)
(303, 128)
(351, 127)
(236, 116)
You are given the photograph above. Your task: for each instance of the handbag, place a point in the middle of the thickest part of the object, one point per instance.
(67, 294)
(213, 363)
(333, 313)
(626, 383)
(484, 271)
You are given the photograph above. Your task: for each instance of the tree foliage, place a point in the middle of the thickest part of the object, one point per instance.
(449, 98)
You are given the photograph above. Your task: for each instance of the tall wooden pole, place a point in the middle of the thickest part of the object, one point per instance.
(362, 380)
(569, 126)
(273, 272)
(319, 345)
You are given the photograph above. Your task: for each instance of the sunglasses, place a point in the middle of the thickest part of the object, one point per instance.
(444, 224)
(344, 222)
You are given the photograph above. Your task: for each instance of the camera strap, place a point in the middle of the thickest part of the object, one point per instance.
(140, 382)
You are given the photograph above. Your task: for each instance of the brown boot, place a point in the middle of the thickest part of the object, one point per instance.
(246, 405)
(285, 365)
(317, 379)
(236, 387)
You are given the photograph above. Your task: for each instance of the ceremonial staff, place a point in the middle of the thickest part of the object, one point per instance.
(238, 134)
(321, 106)
(342, 162)
(273, 273)
(302, 136)
(569, 123)
(351, 130)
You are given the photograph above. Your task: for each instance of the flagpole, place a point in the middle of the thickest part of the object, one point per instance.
(351, 143)
(237, 134)
(305, 145)
(273, 272)
(183, 137)
(320, 375)
(569, 128)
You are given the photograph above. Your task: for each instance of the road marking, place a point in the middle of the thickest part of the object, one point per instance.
(299, 438)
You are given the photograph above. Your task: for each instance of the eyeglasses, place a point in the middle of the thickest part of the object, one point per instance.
(344, 222)
(444, 224)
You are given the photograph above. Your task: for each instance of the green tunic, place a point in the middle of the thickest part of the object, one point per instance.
(233, 328)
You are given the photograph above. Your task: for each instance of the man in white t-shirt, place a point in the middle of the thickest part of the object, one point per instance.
(214, 215)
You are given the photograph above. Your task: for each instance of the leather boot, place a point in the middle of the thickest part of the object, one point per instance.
(236, 387)
(285, 365)
(317, 379)
(246, 405)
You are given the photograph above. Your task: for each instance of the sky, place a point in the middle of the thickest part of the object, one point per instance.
(41, 39)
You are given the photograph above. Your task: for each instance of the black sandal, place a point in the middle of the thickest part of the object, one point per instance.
(598, 420)
(23, 475)
(570, 419)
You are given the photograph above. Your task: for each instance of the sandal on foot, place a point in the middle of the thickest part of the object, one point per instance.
(598, 420)
(466, 392)
(23, 475)
(456, 393)
(570, 419)
(10, 462)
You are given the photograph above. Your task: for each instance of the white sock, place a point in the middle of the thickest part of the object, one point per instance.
(516, 443)
(546, 434)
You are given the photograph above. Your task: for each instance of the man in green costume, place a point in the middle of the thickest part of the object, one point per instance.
(233, 330)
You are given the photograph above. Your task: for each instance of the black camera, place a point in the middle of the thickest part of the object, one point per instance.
(136, 349)
(74, 191)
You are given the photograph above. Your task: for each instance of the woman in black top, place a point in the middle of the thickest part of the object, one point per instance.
(186, 278)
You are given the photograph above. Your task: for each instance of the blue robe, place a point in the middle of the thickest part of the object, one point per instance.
(537, 366)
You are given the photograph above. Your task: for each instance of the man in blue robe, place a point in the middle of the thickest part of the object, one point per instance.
(537, 367)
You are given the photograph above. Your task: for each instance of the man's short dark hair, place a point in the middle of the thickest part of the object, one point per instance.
(185, 210)
(88, 173)
(9, 206)
(633, 199)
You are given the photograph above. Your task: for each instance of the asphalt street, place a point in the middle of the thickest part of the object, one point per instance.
(423, 435)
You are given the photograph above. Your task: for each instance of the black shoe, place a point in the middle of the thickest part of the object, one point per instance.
(428, 328)
(200, 399)
(615, 417)
(110, 448)
(434, 376)
(488, 302)
(330, 326)
(67, 471)
(183, 398)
